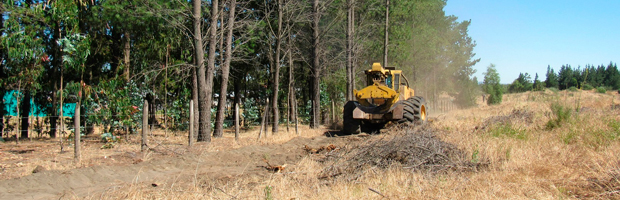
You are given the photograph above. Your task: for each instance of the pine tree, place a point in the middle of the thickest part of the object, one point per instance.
(612, 76)
(552, 78)
(538, 86)
(492, 86)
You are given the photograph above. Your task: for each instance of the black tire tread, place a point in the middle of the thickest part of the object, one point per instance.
(412, 109)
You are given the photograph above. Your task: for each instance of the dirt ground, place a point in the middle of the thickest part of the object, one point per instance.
(104, 169)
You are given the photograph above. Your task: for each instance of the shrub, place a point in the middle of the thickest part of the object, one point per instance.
(560, 114)
(492, 86)
(572, 89)
(601, 90)
(553, 89)
(586, 87)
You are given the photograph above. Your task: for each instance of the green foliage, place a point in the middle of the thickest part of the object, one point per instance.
(599, 138)
(552, 89)
(268, 195)
(76, 50)
(508, 130)
(587, 87)
(251, 112)
(569, 137)
(572, 89)
(560, 115)
(87, 40)
(492, 86)
(470, 93)
(109, 139)
(116, 105)
(588, 78)
(475, 155)
(521, 84)
(538, 85)
(601, 90)
(614, 125)
(22, 47)
(596, 138)
(552, 79)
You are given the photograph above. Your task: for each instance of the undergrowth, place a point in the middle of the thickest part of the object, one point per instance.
(508, 130)
(593, 137)
(560, 114)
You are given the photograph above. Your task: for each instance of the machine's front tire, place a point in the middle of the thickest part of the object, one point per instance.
(414, 110)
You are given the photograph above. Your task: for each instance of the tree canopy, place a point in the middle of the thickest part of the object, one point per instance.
(112, 54)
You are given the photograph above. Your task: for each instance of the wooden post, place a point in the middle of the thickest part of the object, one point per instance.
(145, 124)
(333, 112)
(296, 114)
(62, 105)
(288, 111)
(236, 119)
(190, 138)
(76, 119)
(19, 117)
(267, 121)
(262, 124)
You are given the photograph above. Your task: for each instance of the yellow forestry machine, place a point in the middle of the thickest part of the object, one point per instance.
(387, 97)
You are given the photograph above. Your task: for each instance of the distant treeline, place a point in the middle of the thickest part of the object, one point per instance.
(587, 78)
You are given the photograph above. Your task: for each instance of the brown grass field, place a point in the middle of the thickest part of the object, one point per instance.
(509, 151)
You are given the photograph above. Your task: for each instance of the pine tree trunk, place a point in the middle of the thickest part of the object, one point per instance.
(126, 55)
(195, 100)
(205, 112)
(205, 77)
(290, 85)
(219, 119)
(385, 44)
(276, 81)
(349, 66)
(316, 69)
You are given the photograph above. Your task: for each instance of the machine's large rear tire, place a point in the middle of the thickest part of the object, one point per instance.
(414, 110)
(350, 125)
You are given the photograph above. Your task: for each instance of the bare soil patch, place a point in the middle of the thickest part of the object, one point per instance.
(160, 165)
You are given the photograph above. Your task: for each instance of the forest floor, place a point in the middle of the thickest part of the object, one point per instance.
(486, 152)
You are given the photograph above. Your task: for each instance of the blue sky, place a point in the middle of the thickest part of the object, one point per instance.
(528, 35)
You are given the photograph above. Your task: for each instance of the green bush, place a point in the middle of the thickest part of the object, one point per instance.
(572, 89)
(560, 114)
(601, 90)
(586, 87)
(553, 89)
(492, 86)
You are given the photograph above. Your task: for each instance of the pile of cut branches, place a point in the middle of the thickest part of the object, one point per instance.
(517, 116)
(415, 148)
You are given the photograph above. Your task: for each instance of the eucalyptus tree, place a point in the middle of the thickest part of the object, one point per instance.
(23, 51)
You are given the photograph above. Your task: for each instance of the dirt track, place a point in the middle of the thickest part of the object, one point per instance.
(95, 180)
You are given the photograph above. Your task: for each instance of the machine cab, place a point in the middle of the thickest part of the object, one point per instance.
(389, 76)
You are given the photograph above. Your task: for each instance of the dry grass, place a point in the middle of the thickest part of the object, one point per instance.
(580, 159)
